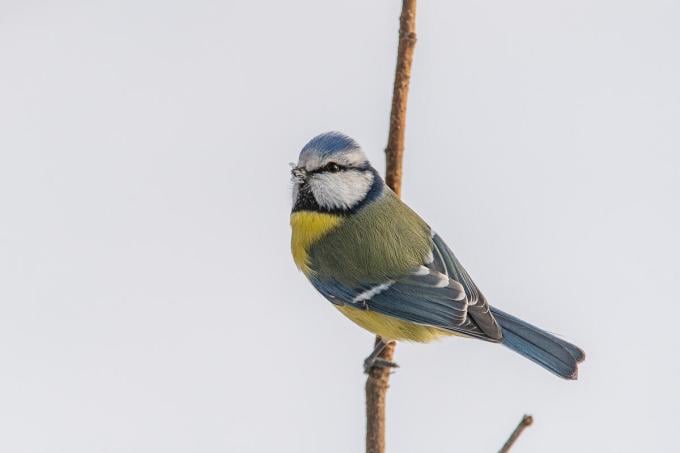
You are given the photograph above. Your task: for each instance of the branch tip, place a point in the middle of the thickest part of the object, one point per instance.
(527, 420)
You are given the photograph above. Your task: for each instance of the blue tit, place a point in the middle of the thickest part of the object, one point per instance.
(382, 266)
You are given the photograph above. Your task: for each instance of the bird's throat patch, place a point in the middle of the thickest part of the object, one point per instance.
(307, 228)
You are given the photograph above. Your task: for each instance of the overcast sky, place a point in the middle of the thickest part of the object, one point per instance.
(148, 302)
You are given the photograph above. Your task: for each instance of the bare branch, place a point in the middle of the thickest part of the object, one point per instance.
(378, 378)
(402, 77)
(526, 421)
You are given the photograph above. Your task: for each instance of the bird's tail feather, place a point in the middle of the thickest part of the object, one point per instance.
(552, 353)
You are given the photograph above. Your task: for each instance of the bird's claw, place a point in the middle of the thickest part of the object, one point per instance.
(377, 362)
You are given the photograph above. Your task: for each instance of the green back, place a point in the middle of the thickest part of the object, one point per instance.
(381, 241)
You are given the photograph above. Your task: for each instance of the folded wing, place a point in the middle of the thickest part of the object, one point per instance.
(439, 293)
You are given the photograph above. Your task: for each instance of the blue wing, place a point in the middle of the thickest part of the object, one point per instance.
(478, 307)
(439, 293)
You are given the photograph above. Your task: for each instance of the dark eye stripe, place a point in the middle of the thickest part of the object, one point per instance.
(331, 167)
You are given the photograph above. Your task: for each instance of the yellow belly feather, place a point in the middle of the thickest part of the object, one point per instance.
(307, 228)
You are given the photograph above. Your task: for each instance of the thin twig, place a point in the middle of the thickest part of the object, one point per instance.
(402, 77)
(378, 378)
(526, 421)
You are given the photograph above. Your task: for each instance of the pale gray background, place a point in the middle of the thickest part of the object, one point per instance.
(148, 302)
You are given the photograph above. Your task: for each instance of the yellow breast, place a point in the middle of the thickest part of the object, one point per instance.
(307, 228)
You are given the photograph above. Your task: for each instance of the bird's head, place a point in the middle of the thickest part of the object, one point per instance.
(333, 175)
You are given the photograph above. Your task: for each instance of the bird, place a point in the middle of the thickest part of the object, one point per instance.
(382, 266)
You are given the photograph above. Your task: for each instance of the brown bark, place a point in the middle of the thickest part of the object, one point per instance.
(402, 76)
(377, 382)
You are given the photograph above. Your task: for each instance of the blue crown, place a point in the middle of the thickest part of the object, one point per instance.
(328, 144)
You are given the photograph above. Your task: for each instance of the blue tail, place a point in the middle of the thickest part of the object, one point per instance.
(553, 354)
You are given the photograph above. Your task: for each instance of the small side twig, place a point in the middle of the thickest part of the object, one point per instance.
(526, 421)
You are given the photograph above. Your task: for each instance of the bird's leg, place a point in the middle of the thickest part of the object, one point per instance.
(374, 360)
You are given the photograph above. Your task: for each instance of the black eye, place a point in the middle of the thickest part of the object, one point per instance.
(333, 167)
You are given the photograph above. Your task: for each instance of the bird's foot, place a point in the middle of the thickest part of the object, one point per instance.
(378, 362)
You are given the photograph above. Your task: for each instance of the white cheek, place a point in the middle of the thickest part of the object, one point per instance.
(341, 190)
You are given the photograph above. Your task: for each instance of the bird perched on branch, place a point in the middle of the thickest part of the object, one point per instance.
(383, 267)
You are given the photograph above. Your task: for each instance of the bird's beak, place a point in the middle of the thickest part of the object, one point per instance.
(299, 174)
